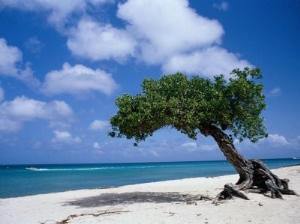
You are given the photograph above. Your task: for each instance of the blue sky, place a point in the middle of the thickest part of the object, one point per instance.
(63, 64)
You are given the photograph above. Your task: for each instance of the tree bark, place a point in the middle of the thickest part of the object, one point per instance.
(243, 166)
(252, 173)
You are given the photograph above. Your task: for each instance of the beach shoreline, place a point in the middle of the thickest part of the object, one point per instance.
(175, 201)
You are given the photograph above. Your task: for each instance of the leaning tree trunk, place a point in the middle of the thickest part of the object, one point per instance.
(253, 174)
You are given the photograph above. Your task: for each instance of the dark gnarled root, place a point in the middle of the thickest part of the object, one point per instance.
(261, 181)
(229, 192)
(286, 189)
(265, 180)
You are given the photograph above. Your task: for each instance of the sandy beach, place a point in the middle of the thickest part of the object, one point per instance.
(179, 201)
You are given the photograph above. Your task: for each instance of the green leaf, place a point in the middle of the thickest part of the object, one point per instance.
(187, 104)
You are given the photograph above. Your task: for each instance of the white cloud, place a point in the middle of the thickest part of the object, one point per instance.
(98, 125)
(96, 145)
(64, 7)
(274, 144)
(273, 140)
(161, 32)
(9, 56)
(1, 94)
(97, 149)
(57, 10)
(153, 34)
(34, 45)
(65, 137)
(192, 147)
(9, 125)
(14, 113)
(100, 41)
(189, 145)
(209, 147)
(208, 62)
(10, 60)
(24, 108)
(278, 140)
(223, 6)
(274, 92)
(187, 43)
(77, 80)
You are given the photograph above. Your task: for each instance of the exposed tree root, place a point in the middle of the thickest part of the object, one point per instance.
(265, 180)
(259, 180)
(229, 192)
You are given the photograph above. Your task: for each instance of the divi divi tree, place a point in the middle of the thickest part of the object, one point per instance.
(223, 109)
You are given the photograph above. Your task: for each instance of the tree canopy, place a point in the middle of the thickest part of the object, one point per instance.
(191, 104)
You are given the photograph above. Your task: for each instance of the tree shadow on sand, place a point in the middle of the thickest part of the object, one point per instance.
(136, 197)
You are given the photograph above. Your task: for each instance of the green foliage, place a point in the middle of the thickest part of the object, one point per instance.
(189, 105)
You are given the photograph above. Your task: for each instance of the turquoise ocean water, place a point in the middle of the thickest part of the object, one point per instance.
(23, 180)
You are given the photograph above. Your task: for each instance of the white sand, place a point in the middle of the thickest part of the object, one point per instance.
(160, 202)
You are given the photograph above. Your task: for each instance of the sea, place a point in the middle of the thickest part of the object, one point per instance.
(24, 180)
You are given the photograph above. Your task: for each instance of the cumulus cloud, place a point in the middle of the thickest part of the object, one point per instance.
(223, 6)
(156, 35)
(207, 62)
(65, 137)
(161, 32)
(274, 144)
(100, 41)
(10, 60)
(190, 146)
(78, 79)
(278, 140)
(57, 11)
(273, 141)
(98, 125)
(9, 56)
(14, 113)
(153, 34)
